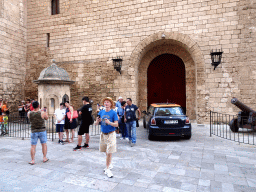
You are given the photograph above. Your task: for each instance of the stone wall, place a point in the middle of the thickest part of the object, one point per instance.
(13, 44)
(235, 77)
(86, 35)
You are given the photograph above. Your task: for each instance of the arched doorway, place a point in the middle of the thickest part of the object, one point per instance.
(166, 80)
(183, 47)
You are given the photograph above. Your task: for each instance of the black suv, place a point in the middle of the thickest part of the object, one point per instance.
(164, 119)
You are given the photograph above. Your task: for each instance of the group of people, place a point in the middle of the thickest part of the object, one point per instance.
(24, 108)
(110, 117)
(37, 116)
(127, 119)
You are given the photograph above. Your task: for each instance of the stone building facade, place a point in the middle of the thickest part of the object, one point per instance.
(13, 49)
(85, 36)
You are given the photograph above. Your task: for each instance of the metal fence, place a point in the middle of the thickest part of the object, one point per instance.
(220, 126)
(20, 127)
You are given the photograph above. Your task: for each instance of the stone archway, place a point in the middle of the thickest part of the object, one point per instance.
(185, 48)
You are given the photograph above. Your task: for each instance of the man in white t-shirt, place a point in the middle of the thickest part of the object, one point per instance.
(60, 121)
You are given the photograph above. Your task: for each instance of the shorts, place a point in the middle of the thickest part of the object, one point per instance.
(38, 135)
(84, 128)
(108, 142)
(59, 127)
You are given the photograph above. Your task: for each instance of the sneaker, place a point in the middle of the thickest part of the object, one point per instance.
(61, 142)
(127, 139)
(109, 173)
(121, 138)
(77, 148)
(86, 146)
(110, 167)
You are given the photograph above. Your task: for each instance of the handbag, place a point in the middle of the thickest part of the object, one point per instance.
(75, 114)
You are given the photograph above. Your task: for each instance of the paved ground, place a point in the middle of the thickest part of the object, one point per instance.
(202, 163)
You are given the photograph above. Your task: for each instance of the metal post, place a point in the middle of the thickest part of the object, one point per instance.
(210, 123)
(253, 135)
(226, 126)
(52, 129)
(217, 124)
(220, 123)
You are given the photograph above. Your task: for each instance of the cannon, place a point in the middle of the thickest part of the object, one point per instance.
(245, 118)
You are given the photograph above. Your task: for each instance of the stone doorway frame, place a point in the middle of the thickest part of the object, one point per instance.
(188, 50)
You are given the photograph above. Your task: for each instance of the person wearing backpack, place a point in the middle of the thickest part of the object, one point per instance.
(86, 121)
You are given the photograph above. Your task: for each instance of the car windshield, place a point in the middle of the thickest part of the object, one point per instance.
(167, 111)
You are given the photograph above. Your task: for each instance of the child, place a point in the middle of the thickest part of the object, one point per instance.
(4, 123)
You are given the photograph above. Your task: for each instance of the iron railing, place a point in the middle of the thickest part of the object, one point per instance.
(220, 126)
(20, 127)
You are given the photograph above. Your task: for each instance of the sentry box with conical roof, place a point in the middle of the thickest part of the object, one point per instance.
(53, 87)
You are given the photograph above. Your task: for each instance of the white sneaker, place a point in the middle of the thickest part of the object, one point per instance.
(110, 167)
(109, 173)
(127, 139)
(121, 138)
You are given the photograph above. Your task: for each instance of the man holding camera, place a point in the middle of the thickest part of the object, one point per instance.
(109, 122)
(38, 131)
(130, 119)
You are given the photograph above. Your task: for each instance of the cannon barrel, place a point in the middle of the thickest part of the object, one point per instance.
(242, 106)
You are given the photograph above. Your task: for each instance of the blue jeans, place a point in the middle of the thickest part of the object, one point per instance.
(131, 126)
(38, 135)
(124, 130)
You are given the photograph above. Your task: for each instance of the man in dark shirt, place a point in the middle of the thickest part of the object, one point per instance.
(130, 119)
(86, 121)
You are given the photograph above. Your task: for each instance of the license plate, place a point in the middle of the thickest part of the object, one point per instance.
(171, 122)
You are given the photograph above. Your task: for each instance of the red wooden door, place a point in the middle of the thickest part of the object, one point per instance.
(166, 80)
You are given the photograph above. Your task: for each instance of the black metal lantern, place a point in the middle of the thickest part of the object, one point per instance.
(216, 57)
(117, 62)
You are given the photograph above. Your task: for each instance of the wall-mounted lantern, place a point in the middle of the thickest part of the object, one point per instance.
(117, 62)
(216, 57)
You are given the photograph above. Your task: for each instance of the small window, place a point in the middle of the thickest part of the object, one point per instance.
(65, 98)
(168, 111)
(55, 7)
(52, 103)
(48, 40)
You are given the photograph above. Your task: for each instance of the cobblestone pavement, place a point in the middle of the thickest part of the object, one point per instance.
(202, 163)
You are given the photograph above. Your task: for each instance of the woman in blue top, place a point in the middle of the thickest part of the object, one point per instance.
(109, 122)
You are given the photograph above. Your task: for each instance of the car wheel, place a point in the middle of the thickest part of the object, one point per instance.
(144, 123)
(187, 136)
(150, 137)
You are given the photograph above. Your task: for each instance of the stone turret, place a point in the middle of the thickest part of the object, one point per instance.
(53, 87)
